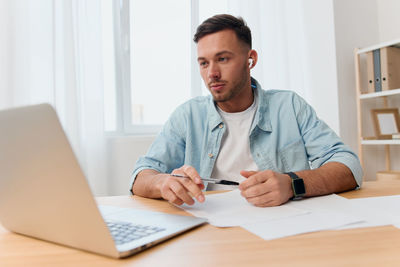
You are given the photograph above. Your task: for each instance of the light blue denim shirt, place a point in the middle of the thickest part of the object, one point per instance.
(286, 135)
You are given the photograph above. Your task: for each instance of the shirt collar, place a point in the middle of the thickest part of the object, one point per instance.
(262, 117)
(214, 119)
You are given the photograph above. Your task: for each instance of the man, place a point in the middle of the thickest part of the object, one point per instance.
(266, 140)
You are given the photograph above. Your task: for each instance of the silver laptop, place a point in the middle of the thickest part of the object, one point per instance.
(44, 194)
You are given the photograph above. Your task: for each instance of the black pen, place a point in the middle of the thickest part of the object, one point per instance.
(210, 180)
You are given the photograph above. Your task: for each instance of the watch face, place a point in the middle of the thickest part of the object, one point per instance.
(299, 187)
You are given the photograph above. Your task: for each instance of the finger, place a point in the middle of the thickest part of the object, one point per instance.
(256, 190)
(171, 197)
(181, 192)
(265, 200)
(270, 203)
(259, 177)
(185, 176)
(247, 174)
(192, 173)
(201, 186)
(193, 188)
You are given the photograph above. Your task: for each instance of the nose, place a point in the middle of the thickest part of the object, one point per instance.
(214, 72)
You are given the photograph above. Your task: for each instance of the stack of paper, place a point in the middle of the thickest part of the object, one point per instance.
(231, 209)
(325, 213)
(296, 217)
(308, 215)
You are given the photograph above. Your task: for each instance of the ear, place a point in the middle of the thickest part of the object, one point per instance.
(253, 57)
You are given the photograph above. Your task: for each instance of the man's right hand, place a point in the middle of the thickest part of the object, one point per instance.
(152, 184)
(179, 190)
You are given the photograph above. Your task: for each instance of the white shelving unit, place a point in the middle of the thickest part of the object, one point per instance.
(376, 95)
(379, 94)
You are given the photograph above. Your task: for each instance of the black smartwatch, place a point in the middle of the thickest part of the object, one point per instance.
(298, 187)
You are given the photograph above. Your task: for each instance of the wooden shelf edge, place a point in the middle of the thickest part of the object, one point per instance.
(381, 142)
(379, 94)
(378, 46)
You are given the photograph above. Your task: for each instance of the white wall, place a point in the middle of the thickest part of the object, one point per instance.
(352, 29)
(123, 152)
(389, 20)
(361, 23)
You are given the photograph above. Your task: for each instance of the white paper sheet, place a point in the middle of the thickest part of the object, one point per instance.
(330, 202)
(306, 223)
(231, 209)
(326, 212)
(372, 211)
(376, 211)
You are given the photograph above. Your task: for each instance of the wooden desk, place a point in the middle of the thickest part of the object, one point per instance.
(211, 246)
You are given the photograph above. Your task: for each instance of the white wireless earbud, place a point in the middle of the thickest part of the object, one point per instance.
(250, 62)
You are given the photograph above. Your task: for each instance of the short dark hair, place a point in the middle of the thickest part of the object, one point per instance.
(222, 22)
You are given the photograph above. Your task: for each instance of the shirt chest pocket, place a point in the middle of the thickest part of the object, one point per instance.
(293, 157)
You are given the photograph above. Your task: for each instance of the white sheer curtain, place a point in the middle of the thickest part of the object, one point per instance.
(279, 37)
(51, 52)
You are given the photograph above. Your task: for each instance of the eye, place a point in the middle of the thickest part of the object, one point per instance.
(203, 64)
(223, 59)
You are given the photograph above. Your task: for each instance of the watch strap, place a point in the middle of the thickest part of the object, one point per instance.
(297, 186)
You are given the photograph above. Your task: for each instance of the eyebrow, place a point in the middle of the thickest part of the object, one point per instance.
(217, 54)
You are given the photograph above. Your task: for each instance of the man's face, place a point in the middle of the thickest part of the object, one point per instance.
(223, 61)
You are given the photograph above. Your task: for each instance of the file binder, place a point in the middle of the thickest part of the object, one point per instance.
(383, 69)
(370, 73)
(377, 69)
(390, 68)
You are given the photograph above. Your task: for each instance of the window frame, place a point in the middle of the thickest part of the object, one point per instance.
(124, 123)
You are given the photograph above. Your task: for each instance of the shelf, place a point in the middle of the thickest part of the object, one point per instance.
(383, 99)
(385, 44)
(380, 142)
(378, 94)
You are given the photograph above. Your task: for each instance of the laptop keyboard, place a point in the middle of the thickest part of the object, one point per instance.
(124, 232)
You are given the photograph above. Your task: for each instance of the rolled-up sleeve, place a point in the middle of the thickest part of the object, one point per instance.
(321, 142)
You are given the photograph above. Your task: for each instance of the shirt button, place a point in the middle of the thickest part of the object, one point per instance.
(221, 126)
(210, 155)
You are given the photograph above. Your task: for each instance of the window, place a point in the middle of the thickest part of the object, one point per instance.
(153, 45)
(160, 58)
(155, 62)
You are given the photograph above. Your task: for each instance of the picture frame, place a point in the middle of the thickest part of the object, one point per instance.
(386, 122)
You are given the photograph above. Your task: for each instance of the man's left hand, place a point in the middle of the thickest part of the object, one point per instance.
(266, 188)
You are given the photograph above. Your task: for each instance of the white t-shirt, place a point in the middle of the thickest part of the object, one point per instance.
(234, 154)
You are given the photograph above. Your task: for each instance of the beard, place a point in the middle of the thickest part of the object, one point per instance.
(233, 88)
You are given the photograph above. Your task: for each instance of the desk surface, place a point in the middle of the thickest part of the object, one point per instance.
(212, 246)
